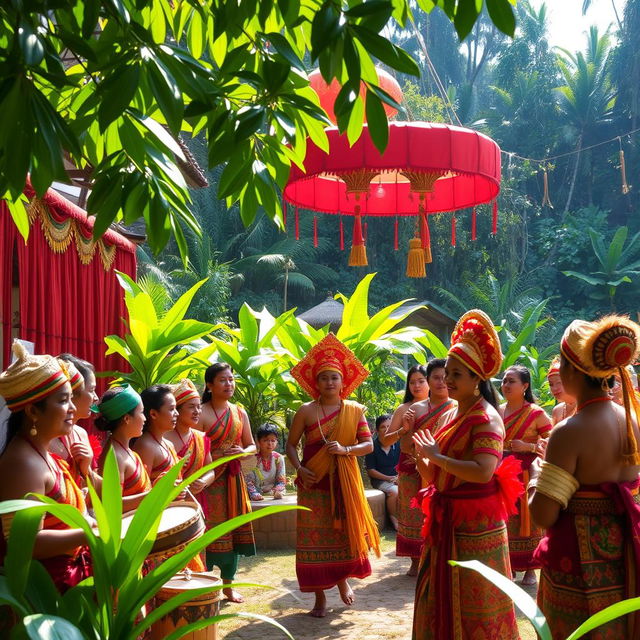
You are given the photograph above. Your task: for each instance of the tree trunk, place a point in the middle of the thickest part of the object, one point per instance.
(575, 175)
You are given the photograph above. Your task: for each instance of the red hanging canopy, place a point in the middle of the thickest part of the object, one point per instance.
(464, 163)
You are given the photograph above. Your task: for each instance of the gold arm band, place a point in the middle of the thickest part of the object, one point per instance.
(556, 483)
(7, 521)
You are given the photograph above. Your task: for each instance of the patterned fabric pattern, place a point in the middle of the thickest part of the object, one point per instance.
(481, 611)
(588, 564)
(524, 536)
(323, 555)
(219, 508)
(263, 479)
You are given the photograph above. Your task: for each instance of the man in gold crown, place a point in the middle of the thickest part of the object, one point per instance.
(586, 495)
(469, 496)
(38, 394)
(334, 537)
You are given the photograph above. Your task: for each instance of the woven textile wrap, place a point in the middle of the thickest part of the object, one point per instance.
(30, 378)
(185, 390)
(604, 348)
(330, 355)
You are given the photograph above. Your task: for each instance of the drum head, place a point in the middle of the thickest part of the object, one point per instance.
(175, 515)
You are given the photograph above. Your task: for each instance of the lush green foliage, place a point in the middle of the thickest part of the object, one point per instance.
(527, 605)
(107, 605)
(262, 349)
(111, 84)
(159, 349)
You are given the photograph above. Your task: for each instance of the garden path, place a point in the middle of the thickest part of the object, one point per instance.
(382, 611)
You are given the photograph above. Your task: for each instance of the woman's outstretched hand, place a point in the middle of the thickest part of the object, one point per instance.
(426, 446)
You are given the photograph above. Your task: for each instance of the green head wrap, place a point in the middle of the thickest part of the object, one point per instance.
(121, 404)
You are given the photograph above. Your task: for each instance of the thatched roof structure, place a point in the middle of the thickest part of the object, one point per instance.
(326, 313)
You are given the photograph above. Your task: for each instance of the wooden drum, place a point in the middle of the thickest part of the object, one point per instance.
(181, 523)
(199, 608)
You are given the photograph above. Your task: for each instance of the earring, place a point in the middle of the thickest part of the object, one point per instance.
(33, 432)
(476, 392)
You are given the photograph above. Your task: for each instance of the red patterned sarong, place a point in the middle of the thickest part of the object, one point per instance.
(590, 559)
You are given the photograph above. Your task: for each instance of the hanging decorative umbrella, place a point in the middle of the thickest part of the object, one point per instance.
(426, 168)
(327, 93)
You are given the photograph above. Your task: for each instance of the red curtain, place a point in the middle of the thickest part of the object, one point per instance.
(65, 306)
(8, 233)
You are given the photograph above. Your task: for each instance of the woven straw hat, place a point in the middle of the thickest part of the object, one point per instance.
(30, 378)
(184, 390)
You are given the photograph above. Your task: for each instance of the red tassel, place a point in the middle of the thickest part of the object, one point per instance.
(395, 235)
(284, 213)
(495, 217)
(453, 231)
(341, 235)
(364, 235)
(473, 224)
(357, 231)
(426, 234)
(315, 231)
(297, 220)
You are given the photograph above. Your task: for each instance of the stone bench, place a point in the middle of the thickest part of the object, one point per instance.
(278, 531)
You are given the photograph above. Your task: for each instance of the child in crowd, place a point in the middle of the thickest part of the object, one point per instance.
(267, 473)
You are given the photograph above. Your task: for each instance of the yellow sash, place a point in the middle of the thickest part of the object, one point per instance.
(361, 528)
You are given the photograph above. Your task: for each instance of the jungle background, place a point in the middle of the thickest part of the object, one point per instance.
(575, 254)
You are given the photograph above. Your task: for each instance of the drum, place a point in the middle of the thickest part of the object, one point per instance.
(180, 523)
(198, 608)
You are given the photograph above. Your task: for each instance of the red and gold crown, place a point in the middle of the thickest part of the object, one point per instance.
(185, 390)
(475, 343)
(330, 355)
(554, 368)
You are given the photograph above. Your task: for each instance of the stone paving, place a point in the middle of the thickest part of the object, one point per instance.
(382, 611)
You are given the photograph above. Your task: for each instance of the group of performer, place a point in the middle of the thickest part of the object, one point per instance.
(499, 483)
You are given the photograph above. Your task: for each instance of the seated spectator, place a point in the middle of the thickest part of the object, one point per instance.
(381, 466)
(266, 475)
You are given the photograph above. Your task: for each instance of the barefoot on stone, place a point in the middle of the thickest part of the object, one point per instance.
(320, 606)
(413, 569)
(346, 593)
(529, 579)
(232, 595)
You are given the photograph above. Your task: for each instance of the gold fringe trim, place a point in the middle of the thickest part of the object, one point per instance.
(415, 259)
(59, 236)
(358, 256)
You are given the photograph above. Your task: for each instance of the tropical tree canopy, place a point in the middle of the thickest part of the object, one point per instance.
(110, 85)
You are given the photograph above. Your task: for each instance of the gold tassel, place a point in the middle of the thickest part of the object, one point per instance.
(630, 456)
(358, 256)
(546, 201)
(415, 259)
(623, 171)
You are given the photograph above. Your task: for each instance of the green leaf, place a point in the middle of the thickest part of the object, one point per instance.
(377, 121)
(117, 92)
(501, 14)
(386, 52)
(521, 599)
(46, 627)
(30, 44)
(466, 15)
(606, 615)
(282, 46)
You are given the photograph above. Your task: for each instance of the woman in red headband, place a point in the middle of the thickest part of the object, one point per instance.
(469, 497)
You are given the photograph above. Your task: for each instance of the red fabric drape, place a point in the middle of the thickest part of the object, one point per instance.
(8, 233)
(65, 306)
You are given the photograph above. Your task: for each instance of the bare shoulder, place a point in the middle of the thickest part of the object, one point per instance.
(495, 424)
(419, 407)
(401, 410)
(144, 444)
